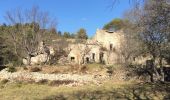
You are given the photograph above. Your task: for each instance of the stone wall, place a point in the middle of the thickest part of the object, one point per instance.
(110, 41)
(106, 38)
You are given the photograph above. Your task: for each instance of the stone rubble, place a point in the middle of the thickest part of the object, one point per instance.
(37, 76)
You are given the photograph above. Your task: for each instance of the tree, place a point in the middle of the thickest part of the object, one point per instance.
(66, 35)
(115, 24)
(136, 3)
(131, 46)
(81, 34)
(155, 27)
(59, 33)
(27, 29)
(53, 31)
(6, 50)
(83, 49)
(72, 35)
(1, 50)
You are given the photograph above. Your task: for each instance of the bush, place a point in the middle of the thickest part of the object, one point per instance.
(110, 69)
(11, 69)
(83, 69)
(60, 82)
(34, 69)
(43, 81)
(4, 81)
(25, 68)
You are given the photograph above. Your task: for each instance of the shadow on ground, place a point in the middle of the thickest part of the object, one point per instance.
(145, 91)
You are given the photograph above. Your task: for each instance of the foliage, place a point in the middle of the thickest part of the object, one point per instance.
(155, 29)
(59, 33)
(81, 34)
(147, 31)
(6, 50)
(66, 35)
(4, 81)
(115, 24)
(27, 28)
(1, 51)
(34, 69)
(11, 69)
(60, 82)
(42, 81)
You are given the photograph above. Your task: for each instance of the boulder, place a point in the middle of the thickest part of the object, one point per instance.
(41, 58)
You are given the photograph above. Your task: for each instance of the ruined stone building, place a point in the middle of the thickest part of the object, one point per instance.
(42, 55)
(102, 48)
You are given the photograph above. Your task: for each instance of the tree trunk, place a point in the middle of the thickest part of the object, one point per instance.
(157, 77)
(161, 70)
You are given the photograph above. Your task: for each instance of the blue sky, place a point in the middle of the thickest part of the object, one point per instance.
(72, 15)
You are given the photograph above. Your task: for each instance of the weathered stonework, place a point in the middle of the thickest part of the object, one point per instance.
(102, 48)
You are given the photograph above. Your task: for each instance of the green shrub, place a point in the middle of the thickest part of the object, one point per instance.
(11, 69)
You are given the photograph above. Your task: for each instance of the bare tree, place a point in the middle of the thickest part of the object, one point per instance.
(152, 22)
(27, 29)
(83, 49)
(155, 26)
(84, 52)
(132, 45)
(135, 3)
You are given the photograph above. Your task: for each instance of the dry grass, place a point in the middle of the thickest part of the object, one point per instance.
(34, 69)
(58, 69)
(23, 91)
(65, 69)
(60, 82)
(72, 68)
(107, 91)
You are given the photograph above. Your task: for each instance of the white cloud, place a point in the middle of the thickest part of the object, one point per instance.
(84, 19)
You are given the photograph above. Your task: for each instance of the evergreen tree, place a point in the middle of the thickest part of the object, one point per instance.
(115, 24)
(81, 34)
(66, 35)
(59, 33)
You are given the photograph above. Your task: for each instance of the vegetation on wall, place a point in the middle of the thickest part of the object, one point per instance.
(115, 24)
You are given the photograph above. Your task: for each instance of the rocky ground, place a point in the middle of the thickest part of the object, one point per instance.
(25, 85)
(37, 76)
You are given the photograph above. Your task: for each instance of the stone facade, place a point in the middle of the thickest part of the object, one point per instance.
(102, 48)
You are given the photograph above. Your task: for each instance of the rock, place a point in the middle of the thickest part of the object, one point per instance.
(42, 55)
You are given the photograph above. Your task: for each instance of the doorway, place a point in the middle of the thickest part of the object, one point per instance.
(87, 59)
(93, 56)
(101, 56)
